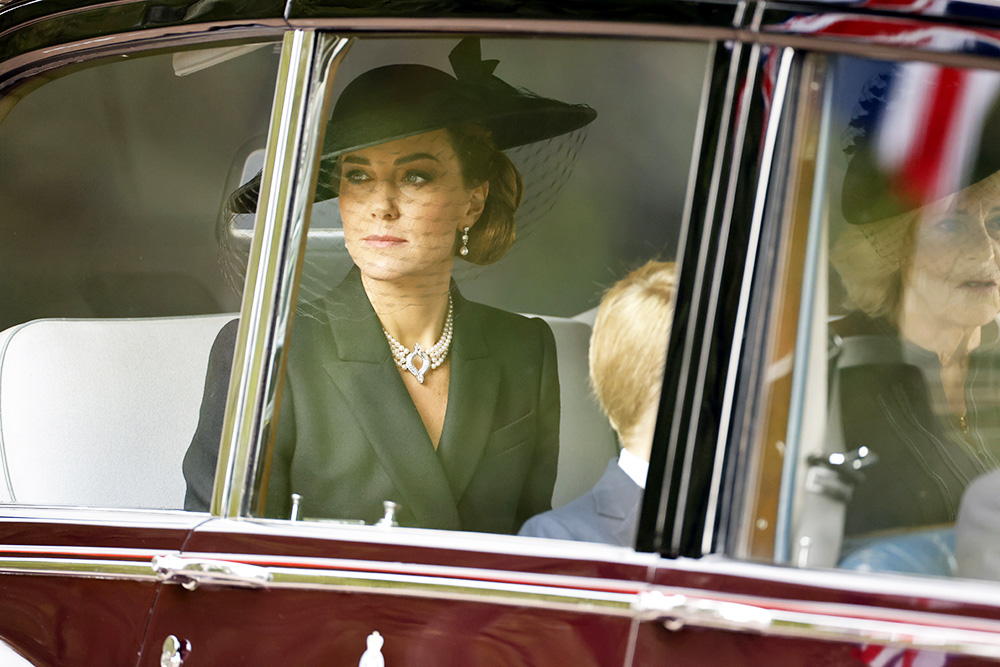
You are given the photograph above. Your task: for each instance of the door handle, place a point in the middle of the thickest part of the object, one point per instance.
(192, 572)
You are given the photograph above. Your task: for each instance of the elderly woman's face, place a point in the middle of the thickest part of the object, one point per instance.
(953, 273)
(403, 203)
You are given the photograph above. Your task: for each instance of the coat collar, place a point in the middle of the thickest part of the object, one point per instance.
(616, 495)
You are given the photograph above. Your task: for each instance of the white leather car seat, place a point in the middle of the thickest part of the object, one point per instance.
(99, 413)
(586, 440)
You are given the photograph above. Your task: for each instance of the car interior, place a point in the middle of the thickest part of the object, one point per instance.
(128, 263)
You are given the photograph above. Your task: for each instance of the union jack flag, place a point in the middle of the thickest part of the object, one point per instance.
(923, 121)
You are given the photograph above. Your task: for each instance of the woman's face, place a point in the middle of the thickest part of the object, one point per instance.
(953, 275)
(403, 203)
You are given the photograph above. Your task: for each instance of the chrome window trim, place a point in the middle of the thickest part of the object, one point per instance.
(875, 51)
(874, 46)
(288, 179)
(32, 63)
(89, 516)
(756, 33)
(803, 335)
(519, 27)
(444, 540)
(695, 336)
(743, 307)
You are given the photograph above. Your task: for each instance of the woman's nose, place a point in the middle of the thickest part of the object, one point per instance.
(383, 204)
(979, 246)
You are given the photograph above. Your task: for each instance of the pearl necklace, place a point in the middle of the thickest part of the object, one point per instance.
(429, 359)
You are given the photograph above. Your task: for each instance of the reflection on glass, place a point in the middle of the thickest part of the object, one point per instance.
(112, 178)
(914, 379)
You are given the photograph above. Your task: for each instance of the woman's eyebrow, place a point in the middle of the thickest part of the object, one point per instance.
(413, 157)
(356, 159)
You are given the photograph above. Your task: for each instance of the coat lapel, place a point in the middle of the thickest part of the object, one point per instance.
(472, 398)
(368, 379)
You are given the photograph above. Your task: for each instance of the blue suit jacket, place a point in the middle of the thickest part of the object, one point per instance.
(977, 531)
(608, 513)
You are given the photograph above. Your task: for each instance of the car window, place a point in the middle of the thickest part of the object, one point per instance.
(416, 238)
(881, 439)
(113, 180)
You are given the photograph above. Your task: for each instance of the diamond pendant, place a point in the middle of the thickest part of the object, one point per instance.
(424, 365)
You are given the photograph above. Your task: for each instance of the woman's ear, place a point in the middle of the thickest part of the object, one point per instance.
(477, 202)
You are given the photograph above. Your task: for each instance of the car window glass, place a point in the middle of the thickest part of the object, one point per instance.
(113, 178)
(882, 435)
(416, 215)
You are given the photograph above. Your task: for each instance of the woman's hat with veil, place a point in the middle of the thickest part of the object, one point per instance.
(403, 100)
(903, 153)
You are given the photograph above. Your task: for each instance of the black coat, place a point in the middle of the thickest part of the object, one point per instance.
(350, 437)
(892, 401)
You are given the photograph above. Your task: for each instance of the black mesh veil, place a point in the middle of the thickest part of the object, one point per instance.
(545, 167)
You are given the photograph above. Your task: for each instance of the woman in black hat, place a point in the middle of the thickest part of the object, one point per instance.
(917, 374)
(398, 389)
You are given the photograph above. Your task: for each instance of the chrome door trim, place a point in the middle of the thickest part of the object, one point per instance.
(675, 607)
(919, 631)
(83, 562)
(288, 180)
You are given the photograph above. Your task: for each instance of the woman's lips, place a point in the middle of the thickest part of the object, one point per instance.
(377, 241)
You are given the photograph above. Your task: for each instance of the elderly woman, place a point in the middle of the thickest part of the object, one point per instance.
(917, 376)
(628, 348)
(399, 389)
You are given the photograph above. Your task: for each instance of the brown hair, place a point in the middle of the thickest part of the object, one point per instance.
(628, 346)
(493, 234)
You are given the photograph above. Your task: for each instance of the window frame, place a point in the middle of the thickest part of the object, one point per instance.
(240, 464)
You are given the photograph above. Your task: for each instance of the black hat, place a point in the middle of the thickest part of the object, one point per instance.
(398, 101)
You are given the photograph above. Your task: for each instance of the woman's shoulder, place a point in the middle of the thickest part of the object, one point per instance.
(514, 333)
(503, 321)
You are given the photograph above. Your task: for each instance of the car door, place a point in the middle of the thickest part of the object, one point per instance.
(829, 522)
(116, 148)
(325, 586)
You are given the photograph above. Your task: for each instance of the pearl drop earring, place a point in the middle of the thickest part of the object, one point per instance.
(464, 250)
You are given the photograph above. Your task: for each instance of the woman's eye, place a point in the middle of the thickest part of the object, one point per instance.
(416, 177)
(993, 227)
(948, 226)
(356, 176)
